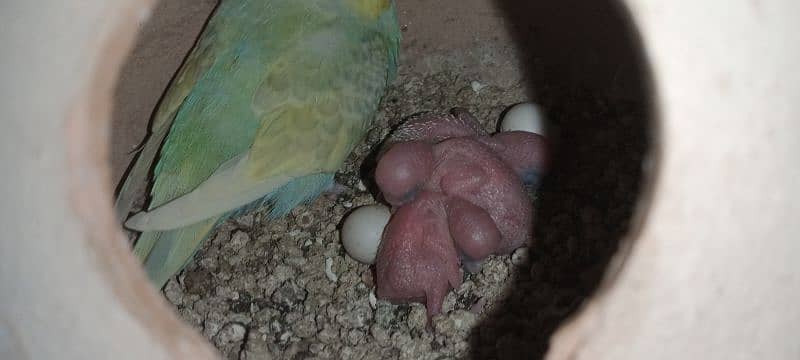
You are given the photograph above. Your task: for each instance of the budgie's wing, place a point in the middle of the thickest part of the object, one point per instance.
(314, 103)
(205, 120)
(196, 65)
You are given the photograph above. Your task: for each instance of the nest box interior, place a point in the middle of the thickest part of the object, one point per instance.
(285, 288)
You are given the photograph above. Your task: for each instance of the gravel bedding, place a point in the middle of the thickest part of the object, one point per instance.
(286, 289)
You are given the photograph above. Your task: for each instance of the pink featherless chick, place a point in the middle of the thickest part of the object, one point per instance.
(458, 196)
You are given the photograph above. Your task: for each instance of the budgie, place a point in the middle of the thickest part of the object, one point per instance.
(268, 105)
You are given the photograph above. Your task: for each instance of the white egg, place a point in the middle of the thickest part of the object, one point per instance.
(362, 230)
(525, 116)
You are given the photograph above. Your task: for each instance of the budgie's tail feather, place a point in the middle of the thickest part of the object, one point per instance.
(298, 191)
(135, 180)
(165, 253)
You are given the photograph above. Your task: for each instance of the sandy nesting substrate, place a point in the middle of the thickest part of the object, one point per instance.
(286, 289)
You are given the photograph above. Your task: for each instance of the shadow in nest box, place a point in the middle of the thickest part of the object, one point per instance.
(586, 67)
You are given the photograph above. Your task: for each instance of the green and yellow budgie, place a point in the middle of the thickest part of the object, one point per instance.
(269, 103)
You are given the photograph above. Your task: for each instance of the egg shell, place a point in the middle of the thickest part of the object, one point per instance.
(362, 231)
(526, 116)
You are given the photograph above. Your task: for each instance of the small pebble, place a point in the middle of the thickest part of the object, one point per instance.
(174, 292)
(477, 86)
(418, 317)
(457, 324)
(305, 328)
(230, 333)
(246, 220)
(329, 270)
(289, 296)
(373, 301)
(520, 257)
(380, 334)
(239, 240)
(360, 186)
(305, 220)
